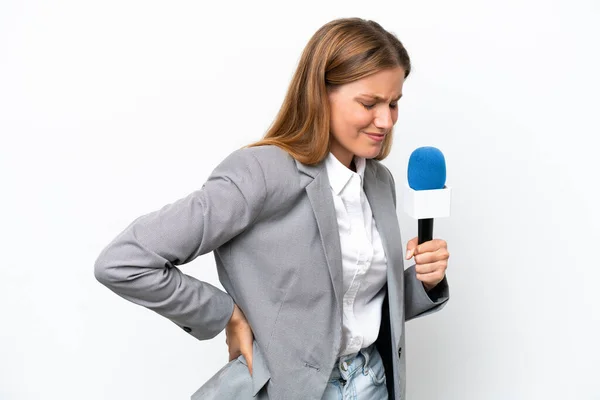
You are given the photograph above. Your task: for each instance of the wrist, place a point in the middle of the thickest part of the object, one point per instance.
(236, 316)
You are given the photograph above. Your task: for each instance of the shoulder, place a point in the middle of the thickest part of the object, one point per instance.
(272, 159)
(263, 174)
(279, 169)
(265, 160)
(275, 167)
(278, 173)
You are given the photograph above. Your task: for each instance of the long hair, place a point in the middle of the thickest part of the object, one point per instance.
(341, 51)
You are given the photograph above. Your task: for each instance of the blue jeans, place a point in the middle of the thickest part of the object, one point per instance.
(359, 376)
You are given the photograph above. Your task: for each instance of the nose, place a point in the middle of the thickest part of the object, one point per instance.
(384, 119)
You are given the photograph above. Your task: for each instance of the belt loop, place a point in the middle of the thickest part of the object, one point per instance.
(366, 352)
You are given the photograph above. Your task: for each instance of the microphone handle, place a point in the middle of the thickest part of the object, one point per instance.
(425, 230)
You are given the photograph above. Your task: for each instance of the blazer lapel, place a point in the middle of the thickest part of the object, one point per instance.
(321, 200)
(384, 213)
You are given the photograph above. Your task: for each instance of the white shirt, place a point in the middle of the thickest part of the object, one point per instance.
(363, 260)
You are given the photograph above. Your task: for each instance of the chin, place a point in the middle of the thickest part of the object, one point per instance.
(368, 153)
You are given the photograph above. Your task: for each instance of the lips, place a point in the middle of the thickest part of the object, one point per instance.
(376, 136)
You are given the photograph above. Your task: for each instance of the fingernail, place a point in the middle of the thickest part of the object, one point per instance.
(409, 254)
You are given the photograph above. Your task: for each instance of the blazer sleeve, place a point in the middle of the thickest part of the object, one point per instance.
(140, 264)
(417, 301)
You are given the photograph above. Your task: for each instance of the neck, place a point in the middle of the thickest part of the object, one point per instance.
(343, 156)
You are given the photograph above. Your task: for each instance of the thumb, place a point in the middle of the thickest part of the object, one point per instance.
(250, 365)
(247, 351)
(248, 357)
(411, 247)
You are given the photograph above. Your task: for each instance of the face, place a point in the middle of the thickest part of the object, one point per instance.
(363, 112)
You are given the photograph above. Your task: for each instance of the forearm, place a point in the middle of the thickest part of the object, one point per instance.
(151, 281)
(140, 264)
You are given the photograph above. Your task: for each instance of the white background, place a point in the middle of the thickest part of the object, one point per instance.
(109, 110)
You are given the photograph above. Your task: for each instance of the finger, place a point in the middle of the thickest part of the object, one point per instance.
(248, 357)
(233, 355)
(250, 364)
(432, 278)
(431, 257)
(410, 247)
(431, 267)
(246, 349)
(431, 246)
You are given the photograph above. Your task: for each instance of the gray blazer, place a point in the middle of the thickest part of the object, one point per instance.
(271, 224)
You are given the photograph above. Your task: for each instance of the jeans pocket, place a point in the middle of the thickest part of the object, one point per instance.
(377, 377)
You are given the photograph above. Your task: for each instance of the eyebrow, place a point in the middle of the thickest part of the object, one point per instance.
(378, 98)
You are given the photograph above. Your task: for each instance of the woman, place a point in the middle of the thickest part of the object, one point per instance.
(305, 236)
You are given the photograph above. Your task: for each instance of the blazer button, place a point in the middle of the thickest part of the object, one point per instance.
(400, 352)
(187, 329)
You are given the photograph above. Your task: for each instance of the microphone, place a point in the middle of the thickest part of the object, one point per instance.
(426, 196)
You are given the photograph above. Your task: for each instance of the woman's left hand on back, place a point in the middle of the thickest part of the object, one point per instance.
(239, 337)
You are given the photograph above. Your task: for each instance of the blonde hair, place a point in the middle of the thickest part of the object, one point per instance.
(341, 51)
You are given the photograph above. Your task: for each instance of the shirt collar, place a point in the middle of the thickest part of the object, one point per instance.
(339, 175)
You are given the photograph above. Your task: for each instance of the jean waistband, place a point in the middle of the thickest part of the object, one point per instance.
(346, 365)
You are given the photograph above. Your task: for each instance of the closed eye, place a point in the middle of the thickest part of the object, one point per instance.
(393, 106)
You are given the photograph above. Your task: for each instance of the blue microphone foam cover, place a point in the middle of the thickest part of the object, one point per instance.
(426, 169)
